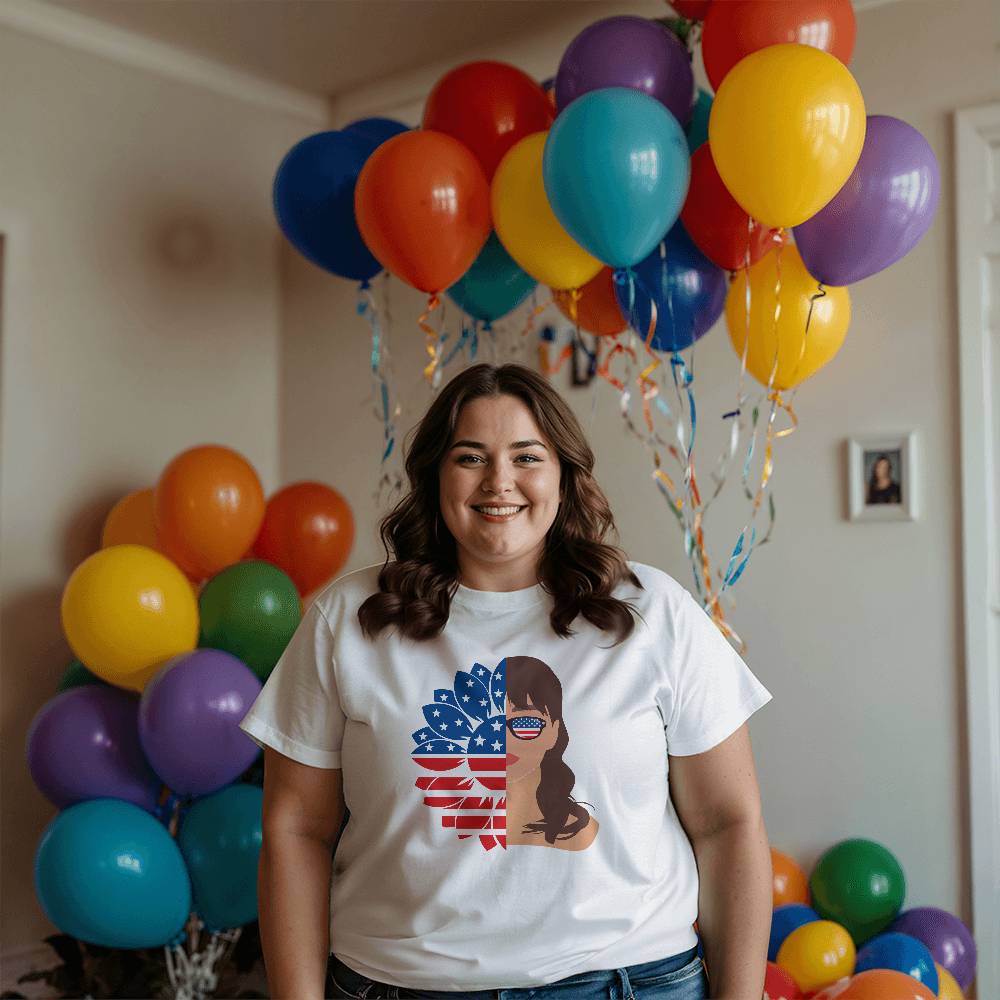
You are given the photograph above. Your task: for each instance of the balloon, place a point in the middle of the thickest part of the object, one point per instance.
(719, 227)
(189, 721)
(308, 532)
(375, 131)
(110, 874)
(786, 130)
(902, 953)
(626, 51)
(790, 882)
(488, 107)
(860, 884)
(422, 204)
(597, 309)
(125, 610)
(220, 839)
(697, 128)
(949, 940)
(736, 28)
(616, 170)
(948, 988)
(800, 354)
(784, 920)
(250, 609)
(817, 954)
(882, 984)
(779, 985)
(881, 213)
(209, 509)
(76, 675)
(313, 199)
(688, 289)
(493, 286)
(527, 226)
(834, 991)
(131, 522)
(84, 744)
(693, 10)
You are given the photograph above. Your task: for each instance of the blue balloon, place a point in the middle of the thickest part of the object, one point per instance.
(377, 130)
(220, 839)
(688, 289)
(697, 129)
(108, 873)
(784, 920)
(314, 202)
(616, 169)
(494, 284)
(902, 953)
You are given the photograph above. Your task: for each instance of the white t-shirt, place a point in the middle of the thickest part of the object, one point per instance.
(428, 890)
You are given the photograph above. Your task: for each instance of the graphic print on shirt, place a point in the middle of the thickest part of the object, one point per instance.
(502, 730)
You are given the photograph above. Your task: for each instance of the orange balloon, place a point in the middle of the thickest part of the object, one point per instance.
(308, 532)
(790, 882)
(209, 507)
(423, 207)
(131, 522)
(597, 308)
(885, 984)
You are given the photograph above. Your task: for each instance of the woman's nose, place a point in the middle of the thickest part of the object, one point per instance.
(497, 480)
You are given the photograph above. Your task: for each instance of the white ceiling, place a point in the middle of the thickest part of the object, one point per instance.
(326, 47)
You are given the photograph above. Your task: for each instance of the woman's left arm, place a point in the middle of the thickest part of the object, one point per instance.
(717, 799)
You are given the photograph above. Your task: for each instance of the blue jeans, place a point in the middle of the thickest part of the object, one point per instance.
(680, 977)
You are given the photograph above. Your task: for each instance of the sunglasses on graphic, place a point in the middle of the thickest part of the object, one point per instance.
(526, 727)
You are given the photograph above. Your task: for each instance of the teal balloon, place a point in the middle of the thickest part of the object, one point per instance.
(220, 839)
(493, 286)
(77, 675)
(110, 874)
(616, 169)
(697, 129)
(251, 609)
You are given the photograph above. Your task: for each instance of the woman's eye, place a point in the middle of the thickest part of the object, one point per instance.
(532, 458)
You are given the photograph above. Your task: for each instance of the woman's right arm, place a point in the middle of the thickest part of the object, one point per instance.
(303, 812)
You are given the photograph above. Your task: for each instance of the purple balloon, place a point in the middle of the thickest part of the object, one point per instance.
(189, 718)
(628, 52)
(949, 940)
(880, 214)
(84, 744)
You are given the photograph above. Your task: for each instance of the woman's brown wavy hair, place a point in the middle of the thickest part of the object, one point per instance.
(578, 568)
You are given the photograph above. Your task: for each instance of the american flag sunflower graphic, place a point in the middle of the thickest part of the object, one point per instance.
(463, 745)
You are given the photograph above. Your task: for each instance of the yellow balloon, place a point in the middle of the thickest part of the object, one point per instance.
(817, 954)
(799, 354)
(131, 521)
(786, 131)
(125, 610)
(948, 988)
(527, 226)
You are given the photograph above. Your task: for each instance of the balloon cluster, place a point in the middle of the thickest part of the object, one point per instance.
(176, 622)
(842, 933)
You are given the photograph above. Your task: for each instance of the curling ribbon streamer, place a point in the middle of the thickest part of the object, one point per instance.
(433, 301)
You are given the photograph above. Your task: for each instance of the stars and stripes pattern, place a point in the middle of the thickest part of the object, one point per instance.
(527, 727)
(464, 747)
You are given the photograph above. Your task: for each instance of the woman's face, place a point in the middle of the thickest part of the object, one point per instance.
(499, 460)
(883, 468)
(525, 751)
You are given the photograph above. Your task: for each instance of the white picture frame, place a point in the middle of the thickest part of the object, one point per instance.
(882, 477)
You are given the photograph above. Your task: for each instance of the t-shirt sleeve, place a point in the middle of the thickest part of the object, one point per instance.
(713, 690)
(298, 711)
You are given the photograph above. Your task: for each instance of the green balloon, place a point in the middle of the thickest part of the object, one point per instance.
(860, 885)
(77, 675)
(250, 609)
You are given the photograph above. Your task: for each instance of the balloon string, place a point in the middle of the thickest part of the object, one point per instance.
(534, 312)
(433, 301)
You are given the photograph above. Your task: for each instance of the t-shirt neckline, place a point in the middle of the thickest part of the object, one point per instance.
(499, 600)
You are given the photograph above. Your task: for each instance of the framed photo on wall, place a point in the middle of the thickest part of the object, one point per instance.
(882, 477)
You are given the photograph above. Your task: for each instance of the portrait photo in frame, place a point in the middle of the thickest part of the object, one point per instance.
(882, 477)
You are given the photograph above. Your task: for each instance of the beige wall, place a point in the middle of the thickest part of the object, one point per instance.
(854, 627)
(141, 307)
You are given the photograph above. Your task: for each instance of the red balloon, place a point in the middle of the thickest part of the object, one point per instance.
(597, 309)
(488, 106)
(423, 207)
(779, 985)
(736, 28)
(693, 10)
(308, 532)
(716, 223)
